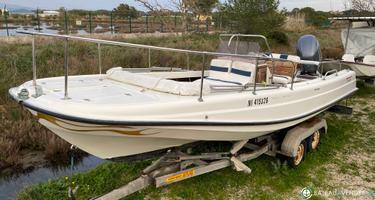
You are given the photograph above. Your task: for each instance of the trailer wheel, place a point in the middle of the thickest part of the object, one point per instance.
(301, 152)
(314, 140)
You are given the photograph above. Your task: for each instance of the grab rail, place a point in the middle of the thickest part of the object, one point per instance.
(321, 66)
(330, 72)
(100, 42)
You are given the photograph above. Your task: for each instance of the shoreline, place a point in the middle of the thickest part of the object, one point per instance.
(32, 160)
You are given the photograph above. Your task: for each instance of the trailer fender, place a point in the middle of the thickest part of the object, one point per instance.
(299, 133)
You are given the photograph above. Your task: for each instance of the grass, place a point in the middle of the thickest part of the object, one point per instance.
(365, 90)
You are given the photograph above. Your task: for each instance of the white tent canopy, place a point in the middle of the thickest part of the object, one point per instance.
(361, 41)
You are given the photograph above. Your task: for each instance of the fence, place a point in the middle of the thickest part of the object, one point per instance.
(71, 23)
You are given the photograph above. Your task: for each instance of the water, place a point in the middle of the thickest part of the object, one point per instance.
(45, 28)
(9, 187)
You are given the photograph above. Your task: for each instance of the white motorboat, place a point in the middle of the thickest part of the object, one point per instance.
(358, 41)
(128, 112)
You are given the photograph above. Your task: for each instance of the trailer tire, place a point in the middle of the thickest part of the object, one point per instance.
(314, 140)
(301, 153)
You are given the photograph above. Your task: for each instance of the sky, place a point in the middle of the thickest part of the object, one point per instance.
(325, 5)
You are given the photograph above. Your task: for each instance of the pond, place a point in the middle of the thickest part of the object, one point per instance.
(10, 186)
(50, 28)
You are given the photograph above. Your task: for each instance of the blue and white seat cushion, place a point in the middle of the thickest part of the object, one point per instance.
(226, 71)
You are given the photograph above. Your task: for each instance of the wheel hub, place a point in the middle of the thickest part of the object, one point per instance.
(315, 140)
(300, 153)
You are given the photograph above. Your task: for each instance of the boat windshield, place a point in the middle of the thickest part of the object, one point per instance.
(243, 44)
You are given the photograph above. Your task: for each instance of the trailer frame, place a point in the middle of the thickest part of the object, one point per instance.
(176, 165)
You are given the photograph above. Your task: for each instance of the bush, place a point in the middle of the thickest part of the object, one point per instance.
(316, 18)
(254, 16)
(279, 37)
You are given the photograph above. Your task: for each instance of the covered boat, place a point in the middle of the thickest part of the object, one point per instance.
(233, 97)
(358, 41)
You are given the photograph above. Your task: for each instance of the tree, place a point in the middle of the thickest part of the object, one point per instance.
(254, 16)
(126, 10)
(199, 8)
(307, 11)
(203, 7)
(295, 11)
(156, 8)
(313, 17)
(363, 5)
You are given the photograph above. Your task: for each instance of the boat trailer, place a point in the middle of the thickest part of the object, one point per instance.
(176, 165)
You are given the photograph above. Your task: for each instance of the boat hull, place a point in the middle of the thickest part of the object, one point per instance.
(112, 141)
(109, 141)
(129, 130)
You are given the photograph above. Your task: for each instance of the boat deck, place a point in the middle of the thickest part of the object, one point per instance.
(97, 89)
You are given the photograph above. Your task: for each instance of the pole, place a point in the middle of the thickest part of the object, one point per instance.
(187, 61)
(207, 25)
(111, 21)
(6, 20)
(130, 24)
(149, 58)
(38, 19)
(90, 21)
(197, 26)
(221, 22)
(34, 61)
(66, 22)
(66, 65)
(161, 24)
(202, 78)
(256, 75)
(100, 58)
(175, 23)
(347, 36)
(147, 23)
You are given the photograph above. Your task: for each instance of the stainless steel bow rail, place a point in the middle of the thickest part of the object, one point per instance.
(204, 54)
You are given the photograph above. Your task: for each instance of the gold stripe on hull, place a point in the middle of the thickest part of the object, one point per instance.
(97, 128)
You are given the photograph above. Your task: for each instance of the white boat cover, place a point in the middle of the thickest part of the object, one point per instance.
(158, 84)
(361, 41)
(222, 72)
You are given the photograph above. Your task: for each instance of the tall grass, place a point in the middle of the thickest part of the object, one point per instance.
(20, 132)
